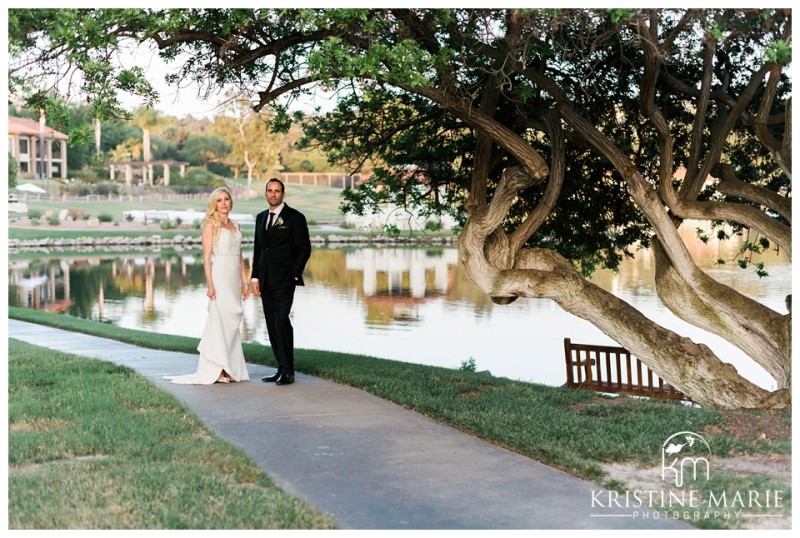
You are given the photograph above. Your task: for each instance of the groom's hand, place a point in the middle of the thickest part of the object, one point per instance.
(256, 288)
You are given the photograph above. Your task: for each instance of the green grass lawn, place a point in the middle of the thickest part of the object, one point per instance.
(319, 204)
(93, 445)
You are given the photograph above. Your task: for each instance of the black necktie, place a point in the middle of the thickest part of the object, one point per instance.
(269, 221)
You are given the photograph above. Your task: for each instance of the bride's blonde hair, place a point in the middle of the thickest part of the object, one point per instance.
(211, 213)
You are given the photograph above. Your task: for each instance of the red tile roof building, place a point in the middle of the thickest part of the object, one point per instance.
(25, 137)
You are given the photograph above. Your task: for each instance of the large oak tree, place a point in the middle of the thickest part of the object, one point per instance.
(556, 135)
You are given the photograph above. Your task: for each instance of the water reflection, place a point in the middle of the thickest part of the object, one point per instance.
(410, 304)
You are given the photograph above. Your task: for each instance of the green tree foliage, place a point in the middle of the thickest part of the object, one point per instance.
(81, 150)
(12, 171)
(163, 149)
(254, 147)
(206, 151)
(300, 153)
(116, 132)
(197, 180)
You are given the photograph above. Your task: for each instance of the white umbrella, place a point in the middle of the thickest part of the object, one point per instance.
(30, 187)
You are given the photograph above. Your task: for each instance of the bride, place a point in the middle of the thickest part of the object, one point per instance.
(221, 357)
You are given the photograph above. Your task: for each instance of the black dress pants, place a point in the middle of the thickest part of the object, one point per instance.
(277, 305)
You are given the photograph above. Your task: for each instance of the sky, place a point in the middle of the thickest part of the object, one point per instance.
(173, 101)
(186, 100)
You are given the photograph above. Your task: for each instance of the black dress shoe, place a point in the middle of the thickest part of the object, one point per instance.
(272, 378)
(285, 379)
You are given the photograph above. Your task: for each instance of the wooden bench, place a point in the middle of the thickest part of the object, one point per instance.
(613, 369)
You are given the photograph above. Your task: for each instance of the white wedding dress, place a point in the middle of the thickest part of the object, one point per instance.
(221, 343)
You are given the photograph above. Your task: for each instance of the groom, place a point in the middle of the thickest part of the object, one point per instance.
(282, 248)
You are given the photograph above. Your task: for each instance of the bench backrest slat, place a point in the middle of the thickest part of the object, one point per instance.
(613, 369)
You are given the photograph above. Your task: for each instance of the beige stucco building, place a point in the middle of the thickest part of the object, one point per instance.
(26, 137)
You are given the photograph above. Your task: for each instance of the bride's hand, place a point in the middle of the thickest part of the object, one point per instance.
(246, 293)
(211, 293)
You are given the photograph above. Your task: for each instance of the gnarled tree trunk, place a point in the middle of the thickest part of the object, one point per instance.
(505, 271)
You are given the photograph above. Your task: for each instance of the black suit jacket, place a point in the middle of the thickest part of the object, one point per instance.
(280, 256)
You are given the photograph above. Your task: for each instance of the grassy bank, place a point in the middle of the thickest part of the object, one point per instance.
(93, 445)
(320, 204)
(45, 231)
(577, 431)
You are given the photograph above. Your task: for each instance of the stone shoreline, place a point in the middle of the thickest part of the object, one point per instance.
(194, 241)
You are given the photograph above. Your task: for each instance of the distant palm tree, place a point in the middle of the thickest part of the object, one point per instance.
(97, 136)
(146, 118)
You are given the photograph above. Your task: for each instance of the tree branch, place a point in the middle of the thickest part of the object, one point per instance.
(557, 168)
(542, 273)
(730, 185)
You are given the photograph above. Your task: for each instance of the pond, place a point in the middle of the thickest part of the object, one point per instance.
(408, 304)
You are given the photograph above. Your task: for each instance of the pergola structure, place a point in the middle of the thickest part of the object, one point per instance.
(144, 170)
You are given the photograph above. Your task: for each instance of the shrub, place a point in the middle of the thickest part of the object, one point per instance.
(392, 231)
(12, 171)
(167, 225)
(53, 220)
(106, 188)
(468, 365)
(197, 177)
(105, 217)
(193, 189)
(77, 214)
(82, 189)
(34, 214)
(86, 176)
(433, 225)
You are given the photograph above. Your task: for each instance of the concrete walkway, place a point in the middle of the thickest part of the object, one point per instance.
(367, 462)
